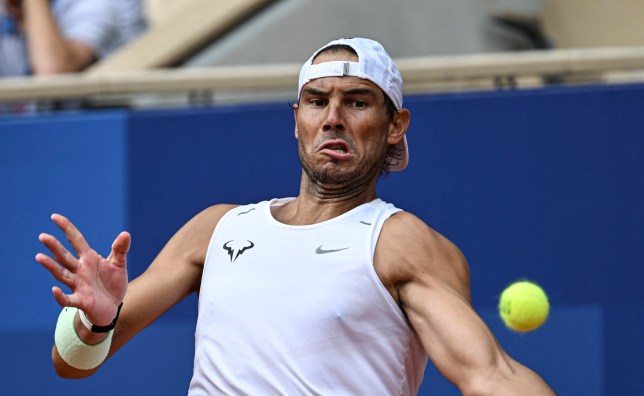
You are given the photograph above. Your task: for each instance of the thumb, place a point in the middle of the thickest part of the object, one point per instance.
(120, 247)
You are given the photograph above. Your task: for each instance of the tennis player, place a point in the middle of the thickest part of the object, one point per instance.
(332, 292)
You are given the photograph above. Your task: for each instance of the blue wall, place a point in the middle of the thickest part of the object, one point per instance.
(544, 184)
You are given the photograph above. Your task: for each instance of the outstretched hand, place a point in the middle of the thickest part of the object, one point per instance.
(97, 284)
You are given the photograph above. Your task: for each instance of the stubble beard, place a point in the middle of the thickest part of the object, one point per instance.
(331, 182)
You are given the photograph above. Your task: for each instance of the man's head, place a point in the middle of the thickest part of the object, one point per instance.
(372, 63)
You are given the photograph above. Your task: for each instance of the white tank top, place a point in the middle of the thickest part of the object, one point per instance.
(300, 310)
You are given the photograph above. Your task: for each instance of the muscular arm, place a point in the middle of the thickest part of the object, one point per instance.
(49, 51)
(174, 274)
(429, 277)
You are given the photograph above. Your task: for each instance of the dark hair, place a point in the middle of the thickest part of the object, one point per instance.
(393, 157)
(336, 49)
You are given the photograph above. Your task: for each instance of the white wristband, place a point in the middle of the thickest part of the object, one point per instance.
(72, 349)
(84, 319)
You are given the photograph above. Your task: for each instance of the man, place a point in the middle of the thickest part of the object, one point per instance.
(331, 292)
(43, 37)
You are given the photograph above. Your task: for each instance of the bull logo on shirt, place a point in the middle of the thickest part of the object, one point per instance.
(237, 248)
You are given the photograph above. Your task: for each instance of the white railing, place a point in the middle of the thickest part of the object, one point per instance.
(424, 74)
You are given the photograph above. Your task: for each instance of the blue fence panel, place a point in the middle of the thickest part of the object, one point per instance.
(543, 184)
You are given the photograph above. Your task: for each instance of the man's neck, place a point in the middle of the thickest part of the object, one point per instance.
(307, 209)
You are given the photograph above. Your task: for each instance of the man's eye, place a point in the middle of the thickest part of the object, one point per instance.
(317, 102)
(359, 104)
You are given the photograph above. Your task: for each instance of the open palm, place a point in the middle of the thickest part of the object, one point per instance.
(97, 284)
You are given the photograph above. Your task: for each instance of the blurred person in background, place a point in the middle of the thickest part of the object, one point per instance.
(44, 37)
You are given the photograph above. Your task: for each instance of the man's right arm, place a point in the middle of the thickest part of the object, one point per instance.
(174, 274)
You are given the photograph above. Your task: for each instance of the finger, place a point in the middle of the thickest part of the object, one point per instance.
(120, 247)
(74, 236)
(61, 254)
(65, 300)
(59, 272)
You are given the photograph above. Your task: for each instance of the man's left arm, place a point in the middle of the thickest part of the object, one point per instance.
(430, 279)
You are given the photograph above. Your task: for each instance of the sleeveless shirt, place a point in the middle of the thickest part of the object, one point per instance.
(300, 310)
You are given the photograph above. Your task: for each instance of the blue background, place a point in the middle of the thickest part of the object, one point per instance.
(544, 184)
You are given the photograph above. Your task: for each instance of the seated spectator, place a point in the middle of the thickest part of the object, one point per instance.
(42, 37)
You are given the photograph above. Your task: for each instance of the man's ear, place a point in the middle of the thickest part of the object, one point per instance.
(295, 107)
(398, 126)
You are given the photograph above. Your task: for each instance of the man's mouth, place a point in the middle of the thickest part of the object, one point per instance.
(337, 146)
(336, 149)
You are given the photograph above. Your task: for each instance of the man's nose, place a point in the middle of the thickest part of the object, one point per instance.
(334, 119)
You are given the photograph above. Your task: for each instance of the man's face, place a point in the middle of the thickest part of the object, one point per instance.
(342, 126)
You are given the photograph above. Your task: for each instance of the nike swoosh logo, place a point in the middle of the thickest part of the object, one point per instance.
(319, 250)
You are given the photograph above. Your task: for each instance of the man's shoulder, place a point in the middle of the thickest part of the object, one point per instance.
(214, 213)
(417, 244)
(403, 224)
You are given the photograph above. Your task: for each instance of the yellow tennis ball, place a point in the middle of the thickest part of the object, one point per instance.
(524, 306)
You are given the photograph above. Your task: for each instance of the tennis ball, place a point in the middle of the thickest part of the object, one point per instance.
(523, 306)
